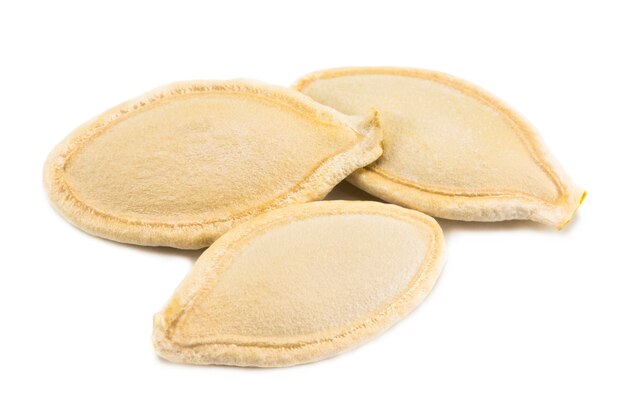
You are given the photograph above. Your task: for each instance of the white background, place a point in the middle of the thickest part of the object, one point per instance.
(524, 320)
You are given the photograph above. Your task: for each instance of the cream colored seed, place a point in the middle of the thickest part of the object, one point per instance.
(300, 284)
(181, 165)
(451, 149)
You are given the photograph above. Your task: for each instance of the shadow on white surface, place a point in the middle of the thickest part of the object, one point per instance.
(192, 255)
(346, 191)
